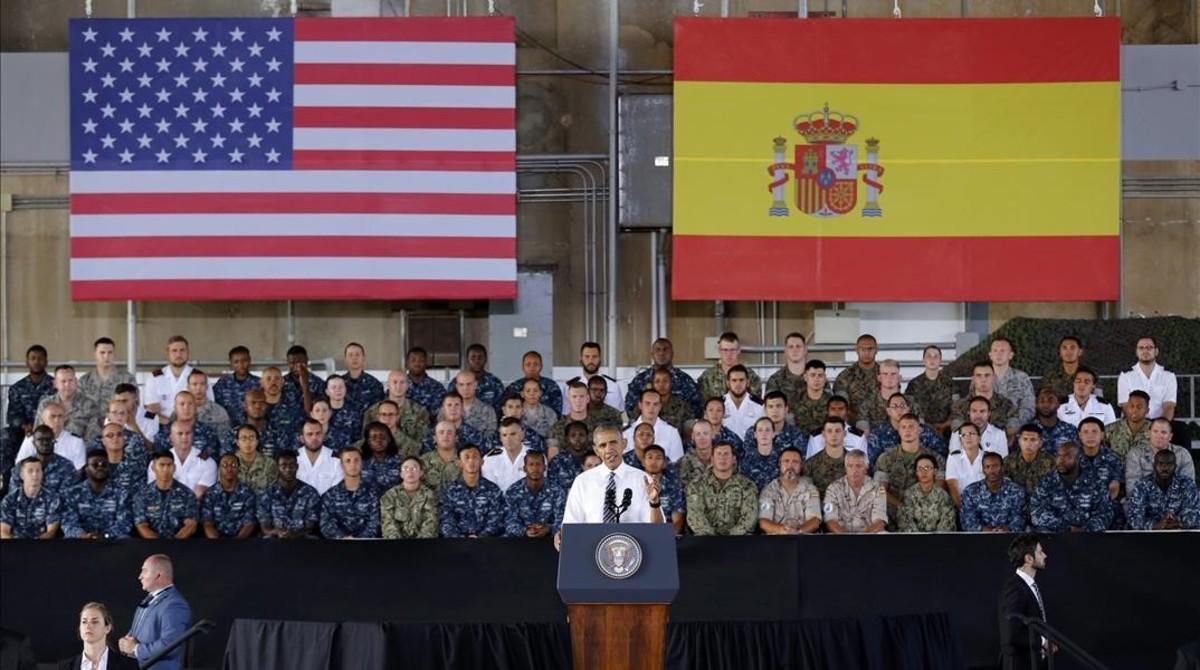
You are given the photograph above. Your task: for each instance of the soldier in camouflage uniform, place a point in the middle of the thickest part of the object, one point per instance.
(789, 379)
(301, 388)
(1166, 500)
(491, 389)
(857, 382)
(1055, 431)
(1132, 430)
(343, 423)
(714, 413)
(230, 508)
(854, 503)
(599, 411)
(662, 354)
(926, 507)
(873, 408)
(23, 397)
(531, 367)
(272, 438)
(1011, 382)
(204, 438)
(1003, 412)
(452, 411)
(674, 410)
(350, 508)
(402, 424)
(698, 457)
(289, 508)
(1069, 499)
(789, 504)
(208, 413)
(535, 506)
(829, 464)
(409, 510)
(285, 416)
(471, 506)
(165, 508)
(83, 415)
(932, 392)
(760, 462)
(1061, 377)
(1139, 462)
(515, 407)
(994, 504)
(786, 435)
(30, 511)
(477, 414)
(672, 497)
(96, 508)
(577, 412)
(362, 388)
(230, 390)
(99, 385)
(1028, 465)
(381, 467)
(712, 381)
(58, 472)
(568, 464)
(723, 502)
(810, 407)
(135, 444)
(886, 434)
(256, 470)
(895, 469)
(1104, 464)
(126, 468)
(440, 467)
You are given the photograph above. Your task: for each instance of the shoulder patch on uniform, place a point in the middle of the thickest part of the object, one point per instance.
(494, 452)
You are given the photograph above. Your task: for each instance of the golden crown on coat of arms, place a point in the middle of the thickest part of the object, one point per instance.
(825, 127)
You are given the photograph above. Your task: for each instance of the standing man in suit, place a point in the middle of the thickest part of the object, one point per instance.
(161, 617)
(1020, 595)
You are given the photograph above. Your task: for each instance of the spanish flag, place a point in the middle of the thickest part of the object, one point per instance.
(897, 159)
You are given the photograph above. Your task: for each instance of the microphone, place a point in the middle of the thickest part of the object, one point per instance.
(626, 500)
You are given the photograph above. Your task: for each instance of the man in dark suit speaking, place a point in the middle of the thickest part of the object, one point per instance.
(1020, 595)
(160, 618)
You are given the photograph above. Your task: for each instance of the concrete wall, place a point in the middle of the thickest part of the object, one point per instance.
(557, 115)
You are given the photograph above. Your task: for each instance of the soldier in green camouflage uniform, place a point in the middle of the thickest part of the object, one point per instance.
(674, 410)
(857, 382)
(1029, 464)
(829, 464)
(712, 381)
(599, 411)
(409, 510)
(255, 469)
(874, 407)
(1133, 430)
(1061, 377)
(722, 502)
(808, 409)
(932, 391)
(790, 378)
(927, 507)
(1003, 414)
(697, 459)
(895, 468)
(440, 467)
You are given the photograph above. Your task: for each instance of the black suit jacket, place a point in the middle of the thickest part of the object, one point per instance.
(116, 661)
(15, 651)
(1016, 598)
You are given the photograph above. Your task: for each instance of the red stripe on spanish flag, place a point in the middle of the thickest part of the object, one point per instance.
(984, 153)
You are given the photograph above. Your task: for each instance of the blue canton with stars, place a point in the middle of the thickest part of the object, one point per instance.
(181, 94)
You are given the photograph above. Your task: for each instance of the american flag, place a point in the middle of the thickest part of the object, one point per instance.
(272, 159)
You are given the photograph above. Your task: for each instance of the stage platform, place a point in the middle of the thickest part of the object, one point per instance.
(1129, 598)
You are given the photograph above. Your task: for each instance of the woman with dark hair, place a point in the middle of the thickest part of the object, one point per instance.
(95, 623)
(381, 460)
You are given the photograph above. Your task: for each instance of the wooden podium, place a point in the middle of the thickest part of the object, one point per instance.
(618, 581)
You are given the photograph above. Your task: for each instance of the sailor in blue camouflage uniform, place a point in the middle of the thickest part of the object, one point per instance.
(995, 503)
(1165, 500)
(165, 508)
(58, 472)
(714, 413)
(760, 462)
(1096, 458)
(490, 389)
(30, 511)
(683, 386)
(1054, 431)
(350, 508)
(284, 415)
(568, 464)
(381, 457)
(786, 435)
(1070, 499)
(204, 439)
(471, 506)
(289, 508)
(230, 508)
(467, 435)
(362, 388)
(345, 418)
(423, 389)
(531, 366)
(23, 398)
(515, 406)
(535, 505)
(230, 390)
(885, 434)
(97, 508)
(135, 443)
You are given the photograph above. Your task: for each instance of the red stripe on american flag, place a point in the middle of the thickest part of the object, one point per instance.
(286, 289)
(305, 246)
(387, 73)
(294, 203)
(465, 161)
(404, 117)
(418, 29)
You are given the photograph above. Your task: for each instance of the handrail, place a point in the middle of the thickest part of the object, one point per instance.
(1039, 628)
(201, 627)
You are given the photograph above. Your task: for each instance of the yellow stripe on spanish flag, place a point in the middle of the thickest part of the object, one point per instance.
(957, 136)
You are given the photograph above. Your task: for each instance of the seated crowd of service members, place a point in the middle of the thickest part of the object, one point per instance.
(294, 455)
